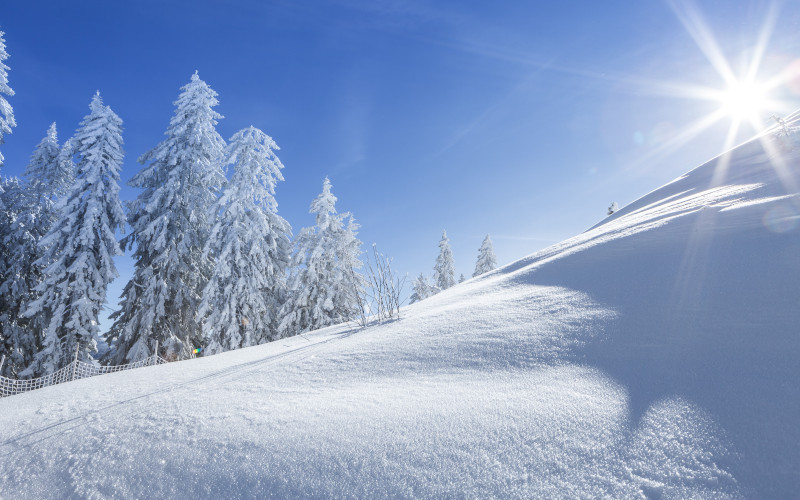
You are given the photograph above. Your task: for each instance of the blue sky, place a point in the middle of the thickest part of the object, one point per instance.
(520, 119)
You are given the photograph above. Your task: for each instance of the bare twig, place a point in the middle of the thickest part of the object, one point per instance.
(381, 297)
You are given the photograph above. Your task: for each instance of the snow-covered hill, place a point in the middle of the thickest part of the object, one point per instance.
(657, 355)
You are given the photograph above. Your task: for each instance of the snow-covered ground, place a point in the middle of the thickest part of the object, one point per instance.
(657, 355)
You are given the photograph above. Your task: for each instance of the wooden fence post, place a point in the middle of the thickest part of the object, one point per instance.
(75, 366)
(2, 362)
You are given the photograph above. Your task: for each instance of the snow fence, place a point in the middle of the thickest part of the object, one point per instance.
(73, 371)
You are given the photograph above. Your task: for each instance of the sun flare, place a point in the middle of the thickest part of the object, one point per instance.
(744, 100)
(750, 100)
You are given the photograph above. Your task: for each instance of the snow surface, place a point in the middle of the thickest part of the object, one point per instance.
(654, 356)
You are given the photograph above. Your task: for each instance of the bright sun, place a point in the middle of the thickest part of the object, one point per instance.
(744, 100)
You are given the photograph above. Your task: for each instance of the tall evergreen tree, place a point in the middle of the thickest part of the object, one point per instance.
(486, 259)
(5, 231)
(12, 341)
(444, 272)
(6, 111)
(7, 217)
(252, 246)
(324, 286)
(170, 226)
(81, 246)
(34, 215)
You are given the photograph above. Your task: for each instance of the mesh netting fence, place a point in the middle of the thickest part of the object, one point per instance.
(73, 371)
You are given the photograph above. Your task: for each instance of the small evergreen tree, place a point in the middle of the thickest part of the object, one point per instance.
(43, 173)
(444, 272)
(252, 247)
(613, 208)
(324, 287)
(486, 259)
(461, 278)
(421, 289)
(81, 246)
(170, 226)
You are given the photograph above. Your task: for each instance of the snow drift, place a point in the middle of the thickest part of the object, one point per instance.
(655, 356)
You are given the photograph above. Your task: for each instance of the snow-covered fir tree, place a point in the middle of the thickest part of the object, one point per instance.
(421, 289)
(252, 246)
(6, 215)
(170, 226)
(64, 176)
(324, 287)
(444, 272)
(6, 219)
(461, 278)
(33, 215)
(6, 111)
(44, 173)
(14, 340)
(486, 259)
(81, 245)
(6, 123)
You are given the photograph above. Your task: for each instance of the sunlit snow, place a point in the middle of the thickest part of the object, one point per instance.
(653, 356)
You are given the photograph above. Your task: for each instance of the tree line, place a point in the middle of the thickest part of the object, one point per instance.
(215, 264)
(444, 271)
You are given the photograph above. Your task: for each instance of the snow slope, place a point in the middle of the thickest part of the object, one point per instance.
(654, 356)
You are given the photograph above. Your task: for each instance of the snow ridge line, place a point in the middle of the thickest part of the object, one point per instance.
(232, 370)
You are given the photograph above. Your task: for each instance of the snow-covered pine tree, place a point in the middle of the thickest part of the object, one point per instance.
(11, 340)
(252, 246)
(486, 259)
(324, 286)
(5, 230)
(6, 123)
(80, 247)
(43, 173)
(444, 272)
(170, 226)
(64, 174)
(461, 278)
(351, 283)
(6, 111)
(421, 289)
(34, 215)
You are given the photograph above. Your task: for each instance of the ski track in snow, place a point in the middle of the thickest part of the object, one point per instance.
(653, 356)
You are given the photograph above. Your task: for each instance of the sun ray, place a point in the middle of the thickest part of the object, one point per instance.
(782, 170)
(745, 99)
(789, 73)
(690, 132)
(688, 14)
(764, 37)
(721, 170)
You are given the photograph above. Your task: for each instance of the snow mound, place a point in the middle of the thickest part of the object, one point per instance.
(653, 356)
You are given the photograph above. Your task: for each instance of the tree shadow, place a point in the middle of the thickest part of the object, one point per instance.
(723, 333)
